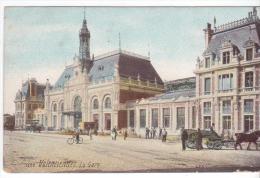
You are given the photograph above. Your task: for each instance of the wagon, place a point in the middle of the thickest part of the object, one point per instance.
(213, 140)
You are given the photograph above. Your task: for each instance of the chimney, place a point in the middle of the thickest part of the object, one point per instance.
(208, 34)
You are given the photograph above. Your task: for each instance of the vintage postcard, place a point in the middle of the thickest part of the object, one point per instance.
(131, 89)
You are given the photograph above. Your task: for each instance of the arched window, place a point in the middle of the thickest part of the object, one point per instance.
(77, 104)
(95, 104)
(54, 107)
(62, 107)
(107, 102)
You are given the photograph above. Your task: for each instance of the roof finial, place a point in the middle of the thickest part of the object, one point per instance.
(84, 13)
(254, 11)
(119, 41)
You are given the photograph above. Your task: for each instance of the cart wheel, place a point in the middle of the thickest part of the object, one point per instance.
(70, 141)
(210, 145)
(217, 146)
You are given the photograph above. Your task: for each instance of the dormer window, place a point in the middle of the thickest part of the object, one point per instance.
(207, 62)
(226, 57)
(100, 68)
(249, 54)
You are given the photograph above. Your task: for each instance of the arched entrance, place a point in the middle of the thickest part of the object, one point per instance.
(77, 111)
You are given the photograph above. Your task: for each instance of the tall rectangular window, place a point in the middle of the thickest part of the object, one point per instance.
(248, 123)
(248, 105)
(142, 118)
(193, 117)
(207, 107)
(166, 117)
(132, 118)
(207, 62)
(155, 117)
(180, 117)
(226, 57)
(207, 122)
(226, 122)
(249, 54)
(207, 86)
(226, 107)
(249, 79)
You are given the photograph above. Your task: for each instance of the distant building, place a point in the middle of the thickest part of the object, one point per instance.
(28, 98)
(96, 89)
(9, 121)
(227, 84)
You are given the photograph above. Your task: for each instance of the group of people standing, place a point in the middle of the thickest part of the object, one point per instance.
(152, 133)
(114, 133)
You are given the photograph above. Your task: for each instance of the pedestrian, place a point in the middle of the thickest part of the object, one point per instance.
(114, 133)
(90, 134)
(160, 132)
(77, 136)
(147, 133)
(199, 140)
(125, 134)
(164, 135)
(184, 138)
(154, 132)
(151, 132)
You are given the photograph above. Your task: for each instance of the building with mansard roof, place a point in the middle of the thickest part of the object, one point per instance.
(225, 92)
(29, 98)
(96, 89)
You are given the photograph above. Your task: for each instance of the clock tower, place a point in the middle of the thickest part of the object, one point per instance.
(84, 51)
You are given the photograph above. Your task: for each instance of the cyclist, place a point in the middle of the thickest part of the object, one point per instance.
(77, 136)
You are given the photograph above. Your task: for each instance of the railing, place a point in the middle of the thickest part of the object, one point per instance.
(226, 110)
(249, 89)
(237, 23)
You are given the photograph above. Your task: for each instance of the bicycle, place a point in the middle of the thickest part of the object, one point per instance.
(73, 139)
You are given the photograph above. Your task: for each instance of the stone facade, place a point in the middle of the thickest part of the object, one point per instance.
(227, 89)
(28, 99)
(96, 90)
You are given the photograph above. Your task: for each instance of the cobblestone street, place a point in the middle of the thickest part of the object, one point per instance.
(33, 152)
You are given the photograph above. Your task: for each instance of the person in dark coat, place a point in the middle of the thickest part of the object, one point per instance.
(147, 133)
(184, 138)
(125, 134)
(199, 140)
(160, 132)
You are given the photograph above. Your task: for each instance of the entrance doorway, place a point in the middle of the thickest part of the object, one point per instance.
(108, 121)
(248, 123)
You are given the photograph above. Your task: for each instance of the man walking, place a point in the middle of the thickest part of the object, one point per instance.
(147, 133)
(125, 134)
(184, 137)
(160, 132)
(164, 135)
(199, 140)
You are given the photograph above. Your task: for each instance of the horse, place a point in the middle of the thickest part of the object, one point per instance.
(243, 137)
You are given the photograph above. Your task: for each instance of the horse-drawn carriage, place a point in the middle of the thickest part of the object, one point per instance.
(213, 140)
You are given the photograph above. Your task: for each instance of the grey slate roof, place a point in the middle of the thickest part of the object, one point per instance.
(68, 72)
(24, 92)
(105, 67)
(237, 36)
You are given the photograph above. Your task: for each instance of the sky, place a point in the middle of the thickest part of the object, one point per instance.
(40, 41)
